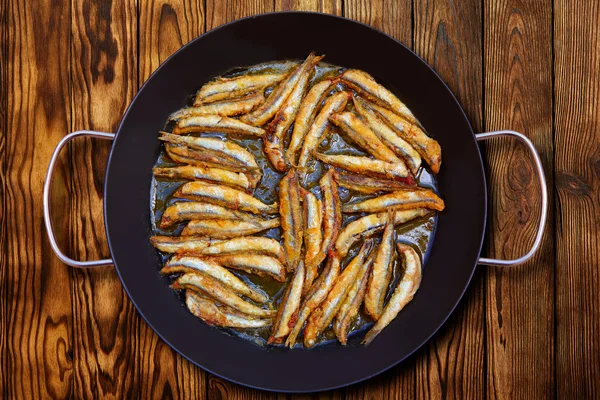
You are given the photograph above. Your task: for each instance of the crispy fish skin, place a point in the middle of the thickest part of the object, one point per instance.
(288, 308)
(215, 123)
(201, 158)
(209, 174)
(313, 236)
(269, 107)
(366, 184)
(368, 166)
(185, 264)
(398, 145)
(277, 128)
(380, 277)
(306, 116)
(220, 88)
(290, 210)
(403, 293)
(253, 263)
(185, 211)
(227, 229)
(225, 196)
(316, 294)
(226, 108)
(221, 293)
(332, 212)
(351, 305)
(366, 85)
(213, 247)
(229, 151)
(410, 131)
(322, 316)
(317, 130)
(363, 136)
(399, 200)
(209, 312)
(370, 225)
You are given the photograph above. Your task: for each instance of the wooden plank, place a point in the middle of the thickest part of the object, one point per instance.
(218, 13)
(395, 19)
(4, 374)
(104, 78)
(36, 304)
(577, 174)
(165, 26)
(324, 6)
(518, 95)
(448, 36)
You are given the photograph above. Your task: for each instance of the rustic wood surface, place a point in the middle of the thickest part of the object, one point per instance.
(527, 332)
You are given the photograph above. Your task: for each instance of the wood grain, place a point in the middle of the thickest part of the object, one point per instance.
(36, 311)
(104, 79)
(395, 19)
(324, 6)
(448, 36)
(518, 63)
(4, 374)
(577, 172)
(165, 26)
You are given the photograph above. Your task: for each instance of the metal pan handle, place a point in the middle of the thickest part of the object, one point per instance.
(544, 193)
(48, 185)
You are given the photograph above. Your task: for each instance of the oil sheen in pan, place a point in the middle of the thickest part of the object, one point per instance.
(418, 232)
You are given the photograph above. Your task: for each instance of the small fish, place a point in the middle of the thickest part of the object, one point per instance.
(366, 184)
(380, 277)
(184, 264)
(254, 264)
(212, 288)
(227, 229)
(399, 200)
(366, 85)
(332, 213)
(267, 109)
(290, 210)
(370, 225)
(277, 128)
(351, 305)
(318, 129)
(225, 317)
(201, 158)
(398, 145)
(316, 294)
(225, 108)
(364, 137)
(288, 308)
(185, 211)
(250, 245)
(313, 236)
(227, 88)
(215, 123)
(209, 174)
(322, 316)
(368, 166)
(225, 196)
(403, 293)
(427, 147)
(306, 116)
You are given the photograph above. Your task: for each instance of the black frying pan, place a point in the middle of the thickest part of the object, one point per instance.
(448, 266)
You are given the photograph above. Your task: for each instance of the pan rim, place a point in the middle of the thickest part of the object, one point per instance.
(479, 245)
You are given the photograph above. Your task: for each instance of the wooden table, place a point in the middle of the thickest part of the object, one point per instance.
(527, 332)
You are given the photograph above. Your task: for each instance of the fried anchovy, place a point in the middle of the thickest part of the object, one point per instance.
(225, 196)
(313, 236)
(288, 308)
(209, 174)
(212, 288)
(184, 264)
(185, 211)
(227, 229)
(332, 213)
(368, 166)
(370, 225)
(225, 108)
(366, 184)
(290, 210)
(225, 317)
(215, 123)
(322, 316)
(398, 145)
(227, 88)
(404, 292)
(253, 264)
(360, 134)
(399, 200)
